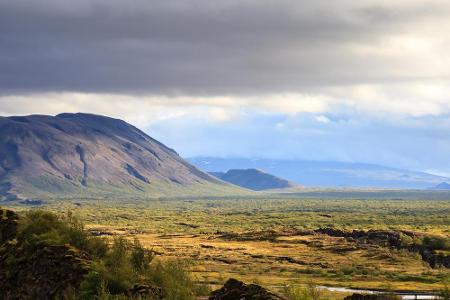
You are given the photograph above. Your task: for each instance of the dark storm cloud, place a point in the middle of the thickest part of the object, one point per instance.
(209, 47)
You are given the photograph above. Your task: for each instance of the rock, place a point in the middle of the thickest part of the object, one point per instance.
(371, 297)
(144, 291)
(32, 202)
(8, 225)
(36, 272)
(235, 289)
(390, 239)
(44, 273)
(270, 235)
(187, 225)
(436, 259)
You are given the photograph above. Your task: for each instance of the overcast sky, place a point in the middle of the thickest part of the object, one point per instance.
(348, 80)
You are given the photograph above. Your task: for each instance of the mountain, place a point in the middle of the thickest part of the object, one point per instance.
(86, 155)
(326, 173)
(442, 186)
(253, 179)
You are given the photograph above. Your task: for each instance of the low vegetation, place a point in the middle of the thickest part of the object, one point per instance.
(270, 239)
(116, 268)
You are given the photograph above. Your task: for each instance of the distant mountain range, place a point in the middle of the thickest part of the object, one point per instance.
(253, 179)
(326, 174)
(442, 186)
(84, 155)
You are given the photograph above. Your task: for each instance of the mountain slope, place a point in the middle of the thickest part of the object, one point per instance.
(253, 179)
(83, 155)
(326, 174)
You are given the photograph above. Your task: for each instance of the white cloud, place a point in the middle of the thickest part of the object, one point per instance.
(395, 101)
(322, 119)
(218, 114)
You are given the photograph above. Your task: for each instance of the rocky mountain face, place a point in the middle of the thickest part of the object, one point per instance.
(253, 179)
(69, 154)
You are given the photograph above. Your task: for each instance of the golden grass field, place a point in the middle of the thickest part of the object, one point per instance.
(196, 229)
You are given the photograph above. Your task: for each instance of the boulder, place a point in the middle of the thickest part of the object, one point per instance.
(145, 291)
(36, 272)
(45, 273)
(235, 289)
(357, 296)
(8, 225)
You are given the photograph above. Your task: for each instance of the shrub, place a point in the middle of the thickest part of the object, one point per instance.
(174, 278)
(116, 267)
(126, 264)
(296, 293)
(310, 292)
(140, 257)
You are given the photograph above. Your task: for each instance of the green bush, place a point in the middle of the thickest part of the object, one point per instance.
(436, 243)
(173, 277)
(310, 292)
(116, 266)
(296, 293)
(140, 257)
(126, 264)
(37, 227)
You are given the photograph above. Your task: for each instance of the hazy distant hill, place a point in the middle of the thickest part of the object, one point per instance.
(253, 179)
(84, 155)
(442, 186)
(326, 174)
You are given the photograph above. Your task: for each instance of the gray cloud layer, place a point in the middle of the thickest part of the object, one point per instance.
(338, 79)
(217, 47)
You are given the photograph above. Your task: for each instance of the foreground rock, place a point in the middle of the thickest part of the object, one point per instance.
(38, 271)
(8, 225)
(371, 297)
(235, 289)
(48, 272)
(142, 291)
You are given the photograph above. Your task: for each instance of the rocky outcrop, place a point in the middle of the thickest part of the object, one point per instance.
(392, 239)
(8, 225)
(436, 259)
(263, 235)
(36, 271)
(371, 297)
(44, 273)
(145, 291)
(235, 289)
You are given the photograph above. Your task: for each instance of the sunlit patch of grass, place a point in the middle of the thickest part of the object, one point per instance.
(188, 227)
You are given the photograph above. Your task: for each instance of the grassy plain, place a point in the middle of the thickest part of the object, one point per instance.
(194, 228)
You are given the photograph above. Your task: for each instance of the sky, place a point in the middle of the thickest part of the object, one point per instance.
(345, 80)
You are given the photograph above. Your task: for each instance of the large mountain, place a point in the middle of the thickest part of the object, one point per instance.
(88, 155)
(326, 174)
(253, 179)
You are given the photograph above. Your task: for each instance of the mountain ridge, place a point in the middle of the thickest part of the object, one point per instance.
(327, 174)
(442, 186)
(70, 154)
